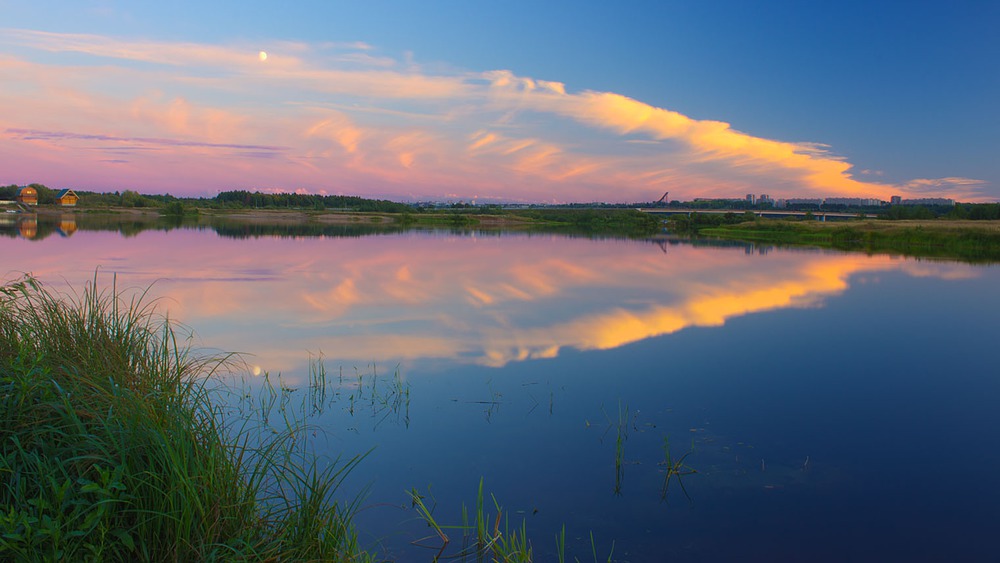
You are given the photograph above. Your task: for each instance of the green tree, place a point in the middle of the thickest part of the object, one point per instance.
(132, 199)
(46, 195)
(174, 208)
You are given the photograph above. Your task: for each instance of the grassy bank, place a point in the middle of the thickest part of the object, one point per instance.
(610, 221)
(114, 447)
(111, 449)
(597, 219)
(972, 241)
(625, 222)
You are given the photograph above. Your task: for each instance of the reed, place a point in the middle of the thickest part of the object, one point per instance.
(593, 549)
(426, 514)
(621, 437)
(112, 449)
(675, 469)
(487, 536)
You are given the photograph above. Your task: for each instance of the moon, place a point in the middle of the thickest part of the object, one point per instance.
(262, 56)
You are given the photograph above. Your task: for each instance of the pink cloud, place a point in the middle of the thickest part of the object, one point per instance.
(194, 118)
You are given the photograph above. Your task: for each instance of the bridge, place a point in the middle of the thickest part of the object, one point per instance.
(769, 213)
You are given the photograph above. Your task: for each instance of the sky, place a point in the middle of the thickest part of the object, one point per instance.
(510, 101)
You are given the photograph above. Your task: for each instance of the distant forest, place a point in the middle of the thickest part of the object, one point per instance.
(244, 199)
(237, 199)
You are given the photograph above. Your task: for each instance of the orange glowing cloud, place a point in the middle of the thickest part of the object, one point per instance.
(715, 140)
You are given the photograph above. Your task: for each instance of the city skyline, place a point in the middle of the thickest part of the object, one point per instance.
(521, 103)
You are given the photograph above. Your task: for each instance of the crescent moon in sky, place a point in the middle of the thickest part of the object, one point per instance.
(262, 56)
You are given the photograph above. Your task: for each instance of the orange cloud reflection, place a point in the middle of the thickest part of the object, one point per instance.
(813, 279)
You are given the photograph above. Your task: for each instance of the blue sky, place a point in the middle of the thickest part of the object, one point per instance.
(903, 93)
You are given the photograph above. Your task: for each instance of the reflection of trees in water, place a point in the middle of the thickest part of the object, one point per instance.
(38, 227)
(15, 226)
(41, 226)
(27, 226)
(242, 230)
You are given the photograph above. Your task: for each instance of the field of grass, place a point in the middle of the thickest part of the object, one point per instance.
(973, 241)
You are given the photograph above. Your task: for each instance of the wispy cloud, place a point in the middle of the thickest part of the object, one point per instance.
(33, 134)
(960, 188)
(310, 113)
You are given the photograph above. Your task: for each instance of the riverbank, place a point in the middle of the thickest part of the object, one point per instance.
(114, 445)
(626, 222)
(972, 241)
(600, 221)
(111, 447)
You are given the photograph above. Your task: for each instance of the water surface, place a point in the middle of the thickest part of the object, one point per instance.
(835, 406)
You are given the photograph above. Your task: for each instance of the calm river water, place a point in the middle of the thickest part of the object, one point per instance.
(835, 406)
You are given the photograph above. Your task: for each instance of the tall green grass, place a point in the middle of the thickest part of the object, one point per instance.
(485, 536)
(621, 436)
(620, 439)
(674, 469)
(112, 449)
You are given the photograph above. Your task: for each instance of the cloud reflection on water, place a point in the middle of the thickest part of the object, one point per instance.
(486, 300)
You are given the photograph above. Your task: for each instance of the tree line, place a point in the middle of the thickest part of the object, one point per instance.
(244, 199)
(971, 211)
(229, 199)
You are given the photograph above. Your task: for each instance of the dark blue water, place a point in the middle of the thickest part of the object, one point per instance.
(834, 407)
(866, 430)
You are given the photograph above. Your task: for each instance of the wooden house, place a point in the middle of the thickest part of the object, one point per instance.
(27, 195)
(67, 198)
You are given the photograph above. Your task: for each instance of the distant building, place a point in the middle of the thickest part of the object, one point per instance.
(895, 200)
(751, 199)
(67, 198)
(27, 195)
(929, 201)
(854, 201)
(804, 201)
(764, 198)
